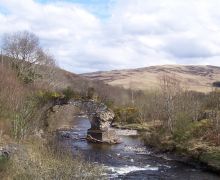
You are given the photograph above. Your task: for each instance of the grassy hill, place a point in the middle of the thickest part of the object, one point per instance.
(197, 78)
(54, 76)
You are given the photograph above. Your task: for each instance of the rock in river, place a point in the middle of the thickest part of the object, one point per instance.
(100, 117)
(100, 127)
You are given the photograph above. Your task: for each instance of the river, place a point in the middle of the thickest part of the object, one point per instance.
(130, 159)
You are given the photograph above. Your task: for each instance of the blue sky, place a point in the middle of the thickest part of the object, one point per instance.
(94, 35)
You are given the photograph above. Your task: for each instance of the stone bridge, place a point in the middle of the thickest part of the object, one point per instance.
(100, 117)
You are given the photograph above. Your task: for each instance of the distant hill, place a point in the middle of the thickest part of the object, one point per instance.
(198, 78)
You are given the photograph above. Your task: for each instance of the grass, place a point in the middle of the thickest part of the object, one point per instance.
(147, 78)
(139, 126)
(191, 143)
(212, 158)
(35, 160)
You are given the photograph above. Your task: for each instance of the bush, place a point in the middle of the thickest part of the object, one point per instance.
(126, 115)
(69, 93)
(182, 126)
(47, 96)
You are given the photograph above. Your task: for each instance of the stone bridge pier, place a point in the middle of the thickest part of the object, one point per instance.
(100, 117)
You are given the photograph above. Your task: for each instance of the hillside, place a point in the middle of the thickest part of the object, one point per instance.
(54, 76)
(61, 79)
(198, 78)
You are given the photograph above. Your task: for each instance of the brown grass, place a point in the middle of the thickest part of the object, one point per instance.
(197, 78)
(37, 161)
(12, 95)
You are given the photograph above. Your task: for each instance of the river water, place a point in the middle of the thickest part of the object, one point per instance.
(129, 159)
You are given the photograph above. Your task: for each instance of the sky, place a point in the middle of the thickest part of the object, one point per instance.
(99, 35)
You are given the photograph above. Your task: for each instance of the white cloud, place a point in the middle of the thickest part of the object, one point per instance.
(137, 33)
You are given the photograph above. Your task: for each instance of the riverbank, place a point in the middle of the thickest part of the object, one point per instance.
(40, 156)
(193, 150)
(130, 159)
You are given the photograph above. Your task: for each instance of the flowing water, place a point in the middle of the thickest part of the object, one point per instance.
(130, 159)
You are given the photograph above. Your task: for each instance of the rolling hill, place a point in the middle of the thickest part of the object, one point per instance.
(197, 78)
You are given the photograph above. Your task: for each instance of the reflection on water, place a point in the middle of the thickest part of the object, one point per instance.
(130, 159)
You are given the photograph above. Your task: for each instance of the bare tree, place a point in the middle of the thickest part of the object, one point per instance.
(214, 98)
(45, 58)
(45, 66)
(25, 49)
(22, 45)
(170, 88)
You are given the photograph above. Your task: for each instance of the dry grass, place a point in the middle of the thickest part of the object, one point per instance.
(39, 162)
(12, 95)
(197, 78)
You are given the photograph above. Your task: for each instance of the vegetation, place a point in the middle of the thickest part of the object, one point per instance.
(172, 117)
(184, 121)
(27, 92)
(126, 115)
(43, 161)
(27, 54)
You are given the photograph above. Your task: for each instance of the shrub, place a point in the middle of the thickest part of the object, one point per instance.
(69, 93)
(47, 96)
(182, 126)
(126, 115)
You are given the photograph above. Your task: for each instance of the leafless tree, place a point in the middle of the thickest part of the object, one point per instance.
(45, 58)
(170, 89)
(28, 55)
(214, 98)
(22, 45)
